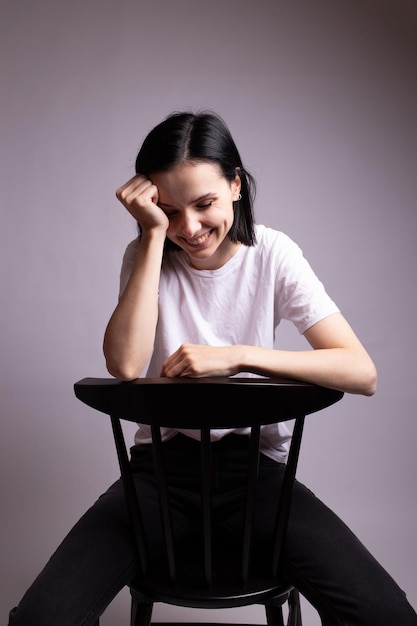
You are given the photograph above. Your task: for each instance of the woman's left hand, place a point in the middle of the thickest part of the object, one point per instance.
(200, 361)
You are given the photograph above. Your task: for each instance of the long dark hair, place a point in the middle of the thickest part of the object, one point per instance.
(204, 137)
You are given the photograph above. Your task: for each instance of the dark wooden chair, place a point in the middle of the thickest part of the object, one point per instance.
(227, 580)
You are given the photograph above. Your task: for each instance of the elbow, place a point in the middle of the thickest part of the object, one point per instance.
(123, 367)
(369, 380)
(122, 373)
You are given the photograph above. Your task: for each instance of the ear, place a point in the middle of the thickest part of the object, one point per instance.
(236, 185)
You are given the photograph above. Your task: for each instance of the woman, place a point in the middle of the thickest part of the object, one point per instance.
(189, 285)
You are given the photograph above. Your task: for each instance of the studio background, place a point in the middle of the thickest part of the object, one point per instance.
(321, 98)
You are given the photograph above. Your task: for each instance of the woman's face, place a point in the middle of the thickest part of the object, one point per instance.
(198, 201)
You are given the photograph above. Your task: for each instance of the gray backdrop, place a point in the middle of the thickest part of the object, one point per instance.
(321, 98)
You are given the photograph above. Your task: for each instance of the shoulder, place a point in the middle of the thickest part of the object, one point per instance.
(276, 243)
(265, 235)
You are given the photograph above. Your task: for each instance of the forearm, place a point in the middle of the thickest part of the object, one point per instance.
(349, 370)
(130, 333)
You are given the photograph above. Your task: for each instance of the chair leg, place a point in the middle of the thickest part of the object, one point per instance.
(274, 615)
(141, 612)
(294, 611)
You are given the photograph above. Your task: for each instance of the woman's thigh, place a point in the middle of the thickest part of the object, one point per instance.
(93, 563)
(327, 562)
(90, 566)
(97, 557)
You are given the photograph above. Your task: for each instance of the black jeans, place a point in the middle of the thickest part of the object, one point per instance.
(323, 558)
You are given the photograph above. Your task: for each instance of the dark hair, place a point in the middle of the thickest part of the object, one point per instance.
(204, 137)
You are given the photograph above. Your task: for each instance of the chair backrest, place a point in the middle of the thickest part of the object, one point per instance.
(239, 402)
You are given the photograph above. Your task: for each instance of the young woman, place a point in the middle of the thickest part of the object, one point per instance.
(189, 285)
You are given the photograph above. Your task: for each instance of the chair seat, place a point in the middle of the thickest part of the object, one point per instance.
(257, 592)
(192, 590)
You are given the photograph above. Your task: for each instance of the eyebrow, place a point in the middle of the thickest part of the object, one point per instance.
(203, 197)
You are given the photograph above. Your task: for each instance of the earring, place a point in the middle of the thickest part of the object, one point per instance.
(239, 197)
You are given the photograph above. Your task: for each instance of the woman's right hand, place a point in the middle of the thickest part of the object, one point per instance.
(140, 197)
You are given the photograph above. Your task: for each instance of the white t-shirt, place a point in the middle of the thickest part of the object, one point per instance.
(242, 303)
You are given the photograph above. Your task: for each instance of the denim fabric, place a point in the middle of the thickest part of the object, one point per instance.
(323, 558)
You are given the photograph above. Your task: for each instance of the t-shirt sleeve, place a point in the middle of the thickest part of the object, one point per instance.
(300, 296)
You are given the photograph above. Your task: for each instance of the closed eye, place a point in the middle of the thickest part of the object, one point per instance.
(204, 205)
(168, 212)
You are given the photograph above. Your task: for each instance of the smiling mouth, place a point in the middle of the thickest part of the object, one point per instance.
(198, 240)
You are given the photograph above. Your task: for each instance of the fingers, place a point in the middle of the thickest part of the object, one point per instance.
(136, 187)
(173, 365)
(197, 361)
(140, 196)
(180, 363)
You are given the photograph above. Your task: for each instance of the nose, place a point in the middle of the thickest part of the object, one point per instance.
(190, 223)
